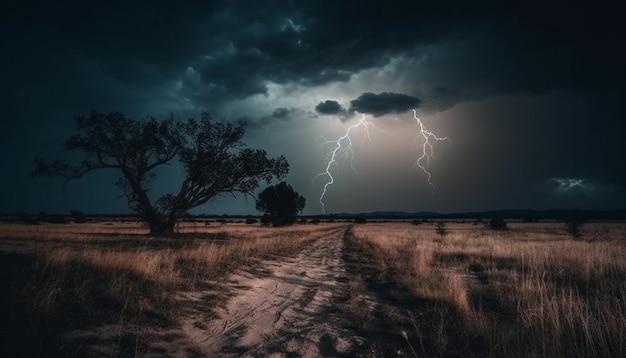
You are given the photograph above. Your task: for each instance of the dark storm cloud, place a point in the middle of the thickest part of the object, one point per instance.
(329, 107)
(282, 113)
(498, 49)
(383, 103)
(238, 47)
(64, 58)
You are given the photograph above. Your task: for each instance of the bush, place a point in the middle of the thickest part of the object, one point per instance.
(281, 203)
(574, 221)
(360, 219)
(79, 216)
(497, 223)
(441, 228)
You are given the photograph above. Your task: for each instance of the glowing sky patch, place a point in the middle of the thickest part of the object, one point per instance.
(342, 148)
(564, 185)
(343, 152)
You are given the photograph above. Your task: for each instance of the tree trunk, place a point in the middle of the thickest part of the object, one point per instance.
(163, 227)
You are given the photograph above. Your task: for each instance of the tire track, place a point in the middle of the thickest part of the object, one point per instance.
(293, 311)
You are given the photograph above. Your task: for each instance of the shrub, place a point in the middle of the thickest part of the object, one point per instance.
(497, 223)
(441, 228)
(360, 219)
(574, 221)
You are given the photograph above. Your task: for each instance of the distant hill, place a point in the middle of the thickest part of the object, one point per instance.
(514, 214)
(521, 214)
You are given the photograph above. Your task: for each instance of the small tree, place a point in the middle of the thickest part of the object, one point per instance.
(441, 228)
(214, 159)
(574, 221)
(281, 204)
(360, 219)
(497, 223)
(79, 216)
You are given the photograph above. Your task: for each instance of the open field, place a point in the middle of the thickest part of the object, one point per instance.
(370, 290)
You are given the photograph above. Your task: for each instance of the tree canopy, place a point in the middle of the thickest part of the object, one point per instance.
(280, 204)
(213, 156)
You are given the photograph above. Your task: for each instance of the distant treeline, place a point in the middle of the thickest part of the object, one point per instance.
(521, 215)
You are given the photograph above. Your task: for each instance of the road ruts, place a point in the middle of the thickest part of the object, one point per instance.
(293, 311)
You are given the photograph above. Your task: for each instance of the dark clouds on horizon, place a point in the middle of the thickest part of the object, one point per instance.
(384, 103)
(370, 103)
(154, 58)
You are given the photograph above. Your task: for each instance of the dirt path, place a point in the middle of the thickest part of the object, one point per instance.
(292, 309)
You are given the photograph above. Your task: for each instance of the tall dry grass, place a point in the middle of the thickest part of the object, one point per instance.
(57, 280)
(531, 291)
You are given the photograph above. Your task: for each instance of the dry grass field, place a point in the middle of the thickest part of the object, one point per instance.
(410, 290)
(58, 278)
(530, 291)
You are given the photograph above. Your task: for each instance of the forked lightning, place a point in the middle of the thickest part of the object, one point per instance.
(343, 150)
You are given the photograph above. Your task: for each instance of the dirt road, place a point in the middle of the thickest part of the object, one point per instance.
(291, 308)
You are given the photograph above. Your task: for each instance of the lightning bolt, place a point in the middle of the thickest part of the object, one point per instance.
(342, 147)
(427, 148)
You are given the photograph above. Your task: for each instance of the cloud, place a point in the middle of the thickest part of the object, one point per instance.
(237, 48)
(282, 113)
(329, 107)
(384, 103)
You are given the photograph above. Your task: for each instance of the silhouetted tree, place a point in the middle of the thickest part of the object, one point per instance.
(214, 159)
(574, 221)
(79, 216)
(281, 203)
(497, 223)
(266, 220)
(360, 219)
(441, 228)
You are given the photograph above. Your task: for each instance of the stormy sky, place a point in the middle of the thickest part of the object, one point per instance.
(530, 94)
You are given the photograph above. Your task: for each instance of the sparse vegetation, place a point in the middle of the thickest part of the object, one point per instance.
(73, 277)
(497, 223)
(574, 223)
(360, 219)
(527, 292)
(440, 228)
(530, 291)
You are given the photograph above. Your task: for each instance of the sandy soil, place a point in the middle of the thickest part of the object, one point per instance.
(289, 308)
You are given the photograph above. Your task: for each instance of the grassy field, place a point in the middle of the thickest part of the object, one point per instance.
(466, 290)
(58, 278)
(530, 291)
